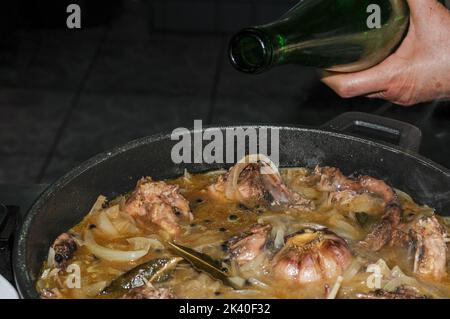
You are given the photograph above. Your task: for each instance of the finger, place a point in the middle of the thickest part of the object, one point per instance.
(360, 83)
(377, 95)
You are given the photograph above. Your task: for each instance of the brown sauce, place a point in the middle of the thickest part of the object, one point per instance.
(216, 221)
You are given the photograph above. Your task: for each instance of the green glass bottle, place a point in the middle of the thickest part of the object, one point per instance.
(337, 35)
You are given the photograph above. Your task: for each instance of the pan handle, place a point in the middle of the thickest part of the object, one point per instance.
(378, 128)
(9, 221)
(14, 204)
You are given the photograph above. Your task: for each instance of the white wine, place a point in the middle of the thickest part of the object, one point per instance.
(337, 35)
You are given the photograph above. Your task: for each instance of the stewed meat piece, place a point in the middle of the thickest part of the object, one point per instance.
(159, 203)
(312, 256)
(426, 235)
(64, 247)
(334, 181)
(248, 246)
(429, 240)
(256, 183)
(146, 292)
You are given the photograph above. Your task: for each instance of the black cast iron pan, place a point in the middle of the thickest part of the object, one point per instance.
(66, 202)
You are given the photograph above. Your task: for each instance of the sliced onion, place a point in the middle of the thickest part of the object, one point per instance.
(404, 195)
(289, 221)
(258, 283)
(399, 279)
(393, 284)
(353, 269)
(214, 173)
(125, 226)
(208, 245)
(111, 254)
(380, 264)
(51, 258)
(78, 240)
(336, 287)
(54, 273)
(237, 281)
(145, 243)
(105, 225)
(112, 211)
(255, 267)
(45, 273)
(397, 272)
(98, 205)
(231, 185)
(123, 223)
(248, 293)
(186, 176)
(279, 237)
(280, 225)
(344, 228)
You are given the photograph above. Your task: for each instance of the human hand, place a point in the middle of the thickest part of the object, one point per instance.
(419, 71)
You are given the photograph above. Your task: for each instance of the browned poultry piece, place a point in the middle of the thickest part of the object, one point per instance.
(159, 203)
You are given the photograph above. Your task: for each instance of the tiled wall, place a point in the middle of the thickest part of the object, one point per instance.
(216, 16)
(66, 96)
(221, 16)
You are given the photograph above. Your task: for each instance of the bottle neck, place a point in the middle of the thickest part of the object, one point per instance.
(251, 51)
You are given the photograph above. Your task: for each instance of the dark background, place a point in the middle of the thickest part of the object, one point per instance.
(138, 67)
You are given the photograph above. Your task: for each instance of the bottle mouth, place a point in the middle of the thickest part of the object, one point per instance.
(248, 52)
